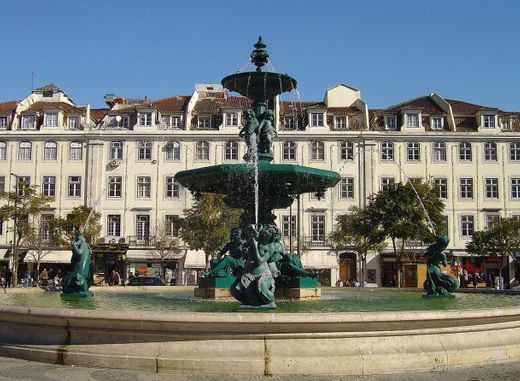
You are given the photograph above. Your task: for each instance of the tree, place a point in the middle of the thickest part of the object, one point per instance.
(397, 211)
(355, 230)
(38, 239)
(23, 205)
(208, 223)
(82, 219)
(500, 240)
(166, 246)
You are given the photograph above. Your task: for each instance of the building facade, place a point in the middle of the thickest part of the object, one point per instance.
(121, 160)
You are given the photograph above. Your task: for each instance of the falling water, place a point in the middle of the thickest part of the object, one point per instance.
(252, 163)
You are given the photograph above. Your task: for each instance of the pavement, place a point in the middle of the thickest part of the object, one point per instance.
(16, 369)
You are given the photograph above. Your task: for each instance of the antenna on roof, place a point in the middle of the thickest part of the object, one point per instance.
(33, 74)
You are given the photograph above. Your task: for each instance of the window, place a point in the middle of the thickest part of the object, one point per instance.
(144, 184)
(515, 188)
(50, 119)
(204, 122)
(413, 150)
(488, 121)
(490, 219)
(341, 122)
(116, 150)
(387, 182)
(172, 188)
(176, 121)
(289, 150)
(231, 150)
(347, 187)
(490, 151)
(115, 186)
(466, 187)
(45, 227)
(143, 227)
(76, 151)
(28, 122)
(437, 123)
(317, 150)
(491, 187)
(317, 119)
(74, 186)
(48, 94)
(3, 121)
(2, 184)
(73, 122)
(318, 228)
(441, 184)
(446, 224)
(23, 183)
(49, 186)
(391, 122)
(290, 123)
(123, 122)
(145, 119)
(171, 225)
(439, 151)
(231, 119)
(50, 151)
(467, 226)
(289, 226)
(465, 151)
(505, 124)
(387, 151)
(24, 151)
(173, 151)
(114, 225)
(514, 151)
(412, 120)
(202, 150)
(1, 226)
(346, 150)
(144, 150)
(3, 150)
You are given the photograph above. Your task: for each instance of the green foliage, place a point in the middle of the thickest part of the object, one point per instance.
(208, 223)
(500, 240)
(65, 229)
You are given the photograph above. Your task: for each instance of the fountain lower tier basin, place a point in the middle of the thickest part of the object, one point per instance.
(276, 182)
(269, 343)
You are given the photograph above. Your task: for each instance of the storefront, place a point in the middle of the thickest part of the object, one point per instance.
(107, 258)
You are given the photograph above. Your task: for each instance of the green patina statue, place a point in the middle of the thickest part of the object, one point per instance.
(223, 266)
(78, 281)
(437, 283)
(266, 133)
(250, 128)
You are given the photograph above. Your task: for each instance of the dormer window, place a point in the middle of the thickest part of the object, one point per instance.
(50, 119)
(341, 122)
(317, 119)
(391, 122)
(437, 123)
(488, 121)
(204, 122)
(28, 122)
(48, 94)
(231, 119)
(505, 123)
(73, 122)
(289, 123)
(412, 120)
(176, 121)
(145, 119)
(3, 121)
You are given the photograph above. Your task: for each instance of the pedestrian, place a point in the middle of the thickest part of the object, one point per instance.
(44, 276)
(115, 279)
(26, 279)
(8, 278)
(34, 276)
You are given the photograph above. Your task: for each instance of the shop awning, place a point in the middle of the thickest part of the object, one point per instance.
(134, 255)
(54, 256)
(317, 260)
(2, 255)
(195, 259)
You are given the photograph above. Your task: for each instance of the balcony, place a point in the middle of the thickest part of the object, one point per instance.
(317, 242)
(138, 241)
(167, 127)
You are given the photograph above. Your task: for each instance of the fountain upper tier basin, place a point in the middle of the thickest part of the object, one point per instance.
(276, 182)
(259, 86)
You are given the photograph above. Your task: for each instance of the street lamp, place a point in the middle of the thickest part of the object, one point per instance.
(14, 218)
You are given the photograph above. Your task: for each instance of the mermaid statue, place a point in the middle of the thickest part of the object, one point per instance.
(78, 281)
(437, 283)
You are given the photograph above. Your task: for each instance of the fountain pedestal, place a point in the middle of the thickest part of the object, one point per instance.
(214, 288)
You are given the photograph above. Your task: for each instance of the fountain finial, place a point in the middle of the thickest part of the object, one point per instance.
(259, 56)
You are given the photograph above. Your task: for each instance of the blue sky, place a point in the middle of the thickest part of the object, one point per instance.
(390, 50)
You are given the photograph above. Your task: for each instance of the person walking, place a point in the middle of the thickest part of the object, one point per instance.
(44, 276)
(8, 278)
(115, 279)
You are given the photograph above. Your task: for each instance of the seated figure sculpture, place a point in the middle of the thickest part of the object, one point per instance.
(79, 280)
(266, 133)
(437, 283)
(255, 286)
(223, 266)
(250, 130)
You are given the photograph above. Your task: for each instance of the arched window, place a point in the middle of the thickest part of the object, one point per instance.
(3, 150)
(173, 150)
(24, 151)
(465, 151)
(50, 151)
(75, 151)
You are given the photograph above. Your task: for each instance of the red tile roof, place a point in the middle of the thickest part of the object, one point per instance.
(39, 106)
(8, 107)
(424, 104)
(461, 107)
(98, 113)
(215, 105)
(172, 104)
(287, 107)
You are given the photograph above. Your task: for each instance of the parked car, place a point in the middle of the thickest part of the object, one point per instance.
(146, 281)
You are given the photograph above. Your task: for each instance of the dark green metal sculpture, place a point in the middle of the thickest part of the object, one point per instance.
(257, 262)
(78, 281)
(438, 284)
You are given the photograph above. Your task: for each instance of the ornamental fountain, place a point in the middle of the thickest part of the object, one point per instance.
(258, 264)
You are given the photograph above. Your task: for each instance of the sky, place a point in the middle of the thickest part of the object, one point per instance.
(391, 50)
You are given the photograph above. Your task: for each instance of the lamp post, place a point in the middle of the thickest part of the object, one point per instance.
(13, 256)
